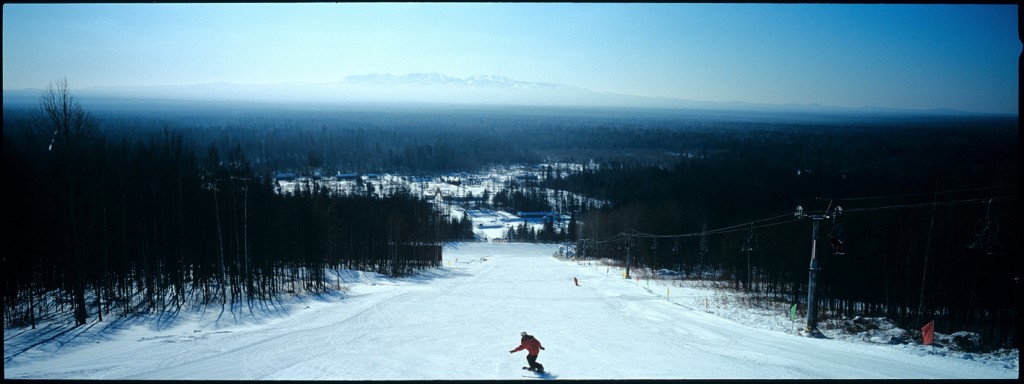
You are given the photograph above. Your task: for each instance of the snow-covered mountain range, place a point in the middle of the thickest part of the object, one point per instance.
(437, 79)
(433, 88)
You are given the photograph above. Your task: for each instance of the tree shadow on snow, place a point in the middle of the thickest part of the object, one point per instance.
(54, 336)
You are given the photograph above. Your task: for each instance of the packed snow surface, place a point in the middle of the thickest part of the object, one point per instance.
(459, 322)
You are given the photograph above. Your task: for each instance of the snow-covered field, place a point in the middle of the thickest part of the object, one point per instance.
(444, 189)
(459, 322)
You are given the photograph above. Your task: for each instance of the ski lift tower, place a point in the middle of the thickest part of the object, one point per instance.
(629, 247)
(812, 278)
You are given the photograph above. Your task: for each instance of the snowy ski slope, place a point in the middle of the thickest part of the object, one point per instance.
(459, 323)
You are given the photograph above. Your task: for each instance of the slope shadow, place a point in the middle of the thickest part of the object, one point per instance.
(546, 375)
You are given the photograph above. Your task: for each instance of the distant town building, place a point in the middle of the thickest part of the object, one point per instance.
(286, 176)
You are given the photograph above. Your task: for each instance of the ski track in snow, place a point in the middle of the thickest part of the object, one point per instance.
(459, 322)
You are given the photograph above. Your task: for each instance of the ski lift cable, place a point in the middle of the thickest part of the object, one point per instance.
(923, 194)
(617, 237)
(937, 204)
(749, 225)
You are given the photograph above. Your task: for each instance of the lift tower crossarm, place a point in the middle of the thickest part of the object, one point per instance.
(812, 278)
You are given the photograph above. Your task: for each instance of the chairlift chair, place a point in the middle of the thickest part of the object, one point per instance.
(751, 243)
(837, 238)
(986, 237)
(980, 236)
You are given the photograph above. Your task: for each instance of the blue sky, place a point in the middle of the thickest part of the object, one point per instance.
(902, 56)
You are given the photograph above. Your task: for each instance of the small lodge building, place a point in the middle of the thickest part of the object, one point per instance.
(286, 176)
(345, 176)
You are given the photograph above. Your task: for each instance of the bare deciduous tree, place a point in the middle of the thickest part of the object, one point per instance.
(60, 113)
(72, 133)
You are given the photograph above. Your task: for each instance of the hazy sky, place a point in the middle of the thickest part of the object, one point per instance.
(905, 56)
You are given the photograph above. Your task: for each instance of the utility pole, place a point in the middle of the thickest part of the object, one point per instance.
(812, 278)
(750, 246)
(629, 258)
(1013, 315)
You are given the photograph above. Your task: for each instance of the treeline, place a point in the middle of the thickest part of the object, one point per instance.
(410, 140)
(153, 223)
(929, 223)
(552, 230)
(530, 196)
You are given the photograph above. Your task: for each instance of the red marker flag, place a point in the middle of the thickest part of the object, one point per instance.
(928, 333)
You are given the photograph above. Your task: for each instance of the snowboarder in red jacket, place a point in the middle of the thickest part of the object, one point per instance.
(533, 348)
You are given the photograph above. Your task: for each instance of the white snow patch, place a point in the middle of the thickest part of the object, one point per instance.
(458, 322)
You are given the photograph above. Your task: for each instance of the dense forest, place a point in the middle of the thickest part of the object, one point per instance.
(160, 197)
(412, 139)
(151, 222)
(923, 217)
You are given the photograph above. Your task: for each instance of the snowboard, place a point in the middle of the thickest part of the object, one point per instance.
(540, 374)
